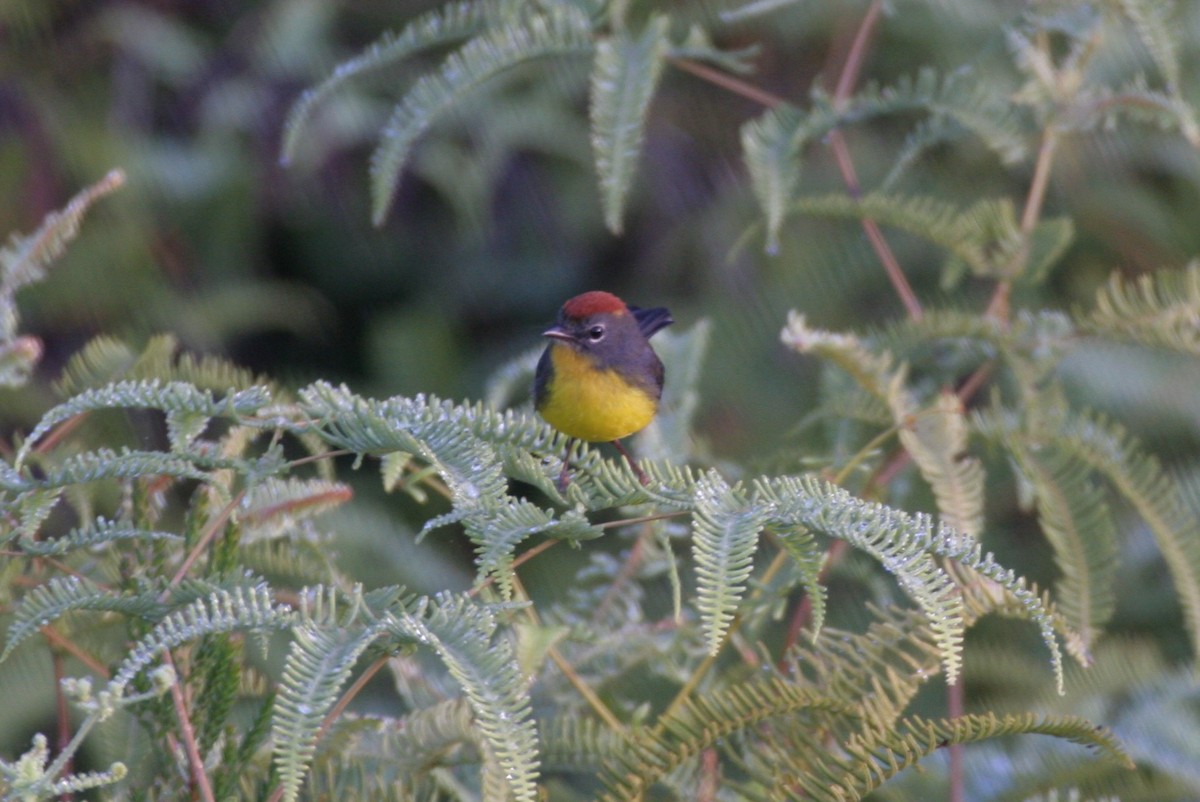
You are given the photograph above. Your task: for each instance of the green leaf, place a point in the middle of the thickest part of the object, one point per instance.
(557, 32)
(461, 632)
(724, 537)
(772, 143)
(325, 647)
(625, 74)
(60, 596)
(451, 22)
(1159, 309)
(936, 438)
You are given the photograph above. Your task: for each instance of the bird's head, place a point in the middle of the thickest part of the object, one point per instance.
(595, 322)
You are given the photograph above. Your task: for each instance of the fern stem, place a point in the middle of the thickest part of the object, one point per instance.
(857, 55)
(998, 306)
(205, 540)
(336, 711)
(841, 155)
(188, 733)
(781, 558)
(62, 710)
(581, 687)
(726, 81)
(64, 644)
(863, 453)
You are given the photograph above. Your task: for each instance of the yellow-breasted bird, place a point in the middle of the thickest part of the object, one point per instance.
(598, 379)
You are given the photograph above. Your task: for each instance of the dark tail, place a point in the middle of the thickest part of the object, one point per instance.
(651, 320)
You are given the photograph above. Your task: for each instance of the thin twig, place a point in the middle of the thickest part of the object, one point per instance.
(581, 687)
(59, 641)
(63, 710)
(205, 539)
(189, 735)
(726, 81)
(336, 711)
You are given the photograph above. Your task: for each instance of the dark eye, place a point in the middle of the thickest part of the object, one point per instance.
(595, 333)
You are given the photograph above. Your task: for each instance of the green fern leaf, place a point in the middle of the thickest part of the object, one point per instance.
(1108, 449)
(874, 757)
(324, 649)
(557, 32)
(724, 537)
(451, 22)
(772, 143)
(24, 260)
(1160, 309)
(1075, 518)
(187, 405)
(798, 542)
(100, 532)
(454, 441)
(625, 74)
(874, 372)
(461, 632)
(905, 546)
(60, 596)
(704, 721)
(936, 438)
(771, 146)
(274, 506)
(1159, 34)
(225, 610)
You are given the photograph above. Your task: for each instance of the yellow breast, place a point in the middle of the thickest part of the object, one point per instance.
(591, 404)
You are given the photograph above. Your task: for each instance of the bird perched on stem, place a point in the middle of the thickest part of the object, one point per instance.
(598, 379)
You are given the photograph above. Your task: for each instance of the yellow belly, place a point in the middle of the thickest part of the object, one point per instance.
(590, 404)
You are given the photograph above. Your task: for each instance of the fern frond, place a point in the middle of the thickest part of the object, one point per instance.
(872, 371)
(798, 542)
(464, 444)
(274, 506)
(93, 466)
(24, 259)
(936, 438)
(898, 644)
(702, 722)
(462, 633)
(577, 744)
(451, 22)
(1108, 449)
(1160, 309)
(323, 652)
(771, 146)
(1159, 34)
(60, 596)
(772, 143)
(560, 30)
(188, 408)
(904, 545)
(724, 537)
(625, 73)
(33, 507)
(241, 608)
(100, 532)
(1076, 520)
(876, 756)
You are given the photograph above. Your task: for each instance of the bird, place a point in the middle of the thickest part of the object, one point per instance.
(599, 380)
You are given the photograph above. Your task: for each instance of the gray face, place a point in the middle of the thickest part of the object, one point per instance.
(615, 342)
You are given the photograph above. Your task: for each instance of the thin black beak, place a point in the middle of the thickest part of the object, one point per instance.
(558, 333)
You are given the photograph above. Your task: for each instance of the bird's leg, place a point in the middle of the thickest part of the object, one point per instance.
(637, 469)
(564, 477)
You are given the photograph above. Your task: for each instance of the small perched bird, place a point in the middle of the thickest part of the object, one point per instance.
(599, 379)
